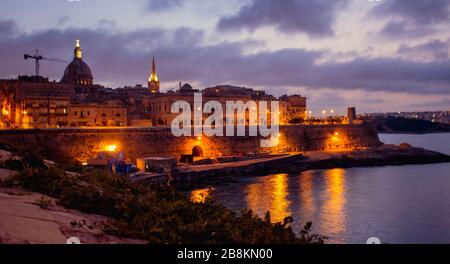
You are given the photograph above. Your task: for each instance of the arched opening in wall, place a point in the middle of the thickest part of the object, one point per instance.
(197, 151)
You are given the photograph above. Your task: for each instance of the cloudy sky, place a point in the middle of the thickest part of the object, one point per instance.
(390, 55)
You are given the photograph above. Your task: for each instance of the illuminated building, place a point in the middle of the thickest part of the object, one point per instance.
(33, 103)
(36, 102)
(292, 109)
(95, 114)
(157, 107)
(153, 81)
(78, 72)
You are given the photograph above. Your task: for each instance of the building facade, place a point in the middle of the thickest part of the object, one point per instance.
(293, 109)
(75, 101)
(97, 115)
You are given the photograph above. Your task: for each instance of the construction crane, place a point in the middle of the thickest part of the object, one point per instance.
(37, 57)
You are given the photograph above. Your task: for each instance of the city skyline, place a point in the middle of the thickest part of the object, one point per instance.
(378, 56)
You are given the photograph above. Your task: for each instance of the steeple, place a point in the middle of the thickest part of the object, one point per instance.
(153, 81)
(153, 76)
(154, 67)
(78, 52)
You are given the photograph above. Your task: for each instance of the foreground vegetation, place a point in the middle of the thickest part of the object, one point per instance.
(156, 215)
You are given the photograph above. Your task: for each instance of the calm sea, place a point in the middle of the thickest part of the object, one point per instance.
(398, 204)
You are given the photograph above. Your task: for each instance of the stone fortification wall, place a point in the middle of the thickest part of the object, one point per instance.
(82, 144)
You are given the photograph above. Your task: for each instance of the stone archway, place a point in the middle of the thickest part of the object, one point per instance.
(197, 151)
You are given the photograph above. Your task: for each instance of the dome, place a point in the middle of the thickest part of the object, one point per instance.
(77, 72)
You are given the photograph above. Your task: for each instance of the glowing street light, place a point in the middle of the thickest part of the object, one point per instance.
(111, 148)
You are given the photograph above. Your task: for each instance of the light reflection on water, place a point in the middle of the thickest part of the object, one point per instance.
(333, 209)
(270, 195)
(399, 204)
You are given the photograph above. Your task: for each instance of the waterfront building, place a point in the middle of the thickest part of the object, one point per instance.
(75, 101)
(36, 102)
(292, 109)
(31, 102)
(97, 115)
(158, 107)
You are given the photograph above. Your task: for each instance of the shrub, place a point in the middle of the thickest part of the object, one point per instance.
(13, 164)
(43, 202)
(161, 215)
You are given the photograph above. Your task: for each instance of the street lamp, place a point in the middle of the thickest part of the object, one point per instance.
(111, 148)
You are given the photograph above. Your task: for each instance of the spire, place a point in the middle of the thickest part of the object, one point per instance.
(78, 52)
(153, 76)
(153, 67)
(153, 81)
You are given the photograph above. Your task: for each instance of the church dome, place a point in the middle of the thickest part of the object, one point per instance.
(78, 72)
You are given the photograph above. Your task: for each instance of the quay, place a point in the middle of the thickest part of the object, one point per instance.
(294, 163)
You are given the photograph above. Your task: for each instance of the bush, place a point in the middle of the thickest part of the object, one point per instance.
(43, 202)
(13, 164)
(50, 181)
(158, 216)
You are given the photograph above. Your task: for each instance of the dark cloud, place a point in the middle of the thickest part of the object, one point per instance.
(416, 11)
(411, 18)
(404, 30)
(124, 58)
(388, 74)
(436, 49)
(162, 5)
(8, 28)
(313, 17)
(328, 98)
(442, 104)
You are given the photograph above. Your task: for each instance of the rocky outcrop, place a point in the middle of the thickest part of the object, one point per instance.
(23, 221)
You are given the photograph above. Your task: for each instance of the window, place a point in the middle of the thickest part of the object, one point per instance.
(75, 113)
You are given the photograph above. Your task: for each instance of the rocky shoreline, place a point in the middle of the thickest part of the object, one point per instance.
(385, 155)
(26, 219)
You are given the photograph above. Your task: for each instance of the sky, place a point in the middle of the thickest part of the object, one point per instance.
(387, 55)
